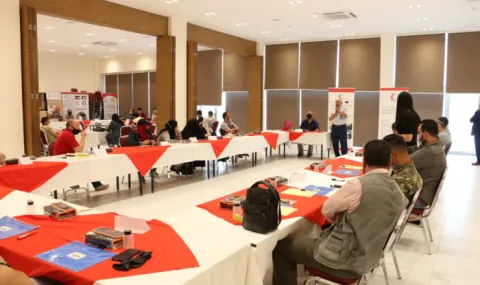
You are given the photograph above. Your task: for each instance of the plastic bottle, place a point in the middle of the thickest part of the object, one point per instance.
(127, 239)
(237, 212)
(273, 181)
(316, 166)
(30, 207)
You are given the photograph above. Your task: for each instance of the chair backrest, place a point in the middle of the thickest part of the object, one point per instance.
(447, 148)
(51, 147)
(125, 131)
(215, 126)
(287, 125)
(429, 210)
(223, 132)
(43, 138)
(123, 140)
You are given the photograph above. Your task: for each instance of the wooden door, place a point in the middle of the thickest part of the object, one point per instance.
(165, 80)
(30, 93)
(192, 53)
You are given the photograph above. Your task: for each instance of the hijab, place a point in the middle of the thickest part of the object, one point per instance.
(116, 118)
(170, 127)
(192, 129)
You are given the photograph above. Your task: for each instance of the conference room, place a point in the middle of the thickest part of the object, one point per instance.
(233, 89)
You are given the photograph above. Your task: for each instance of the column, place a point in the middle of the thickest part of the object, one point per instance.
(178, 29)
(11, 88)
(387, 60)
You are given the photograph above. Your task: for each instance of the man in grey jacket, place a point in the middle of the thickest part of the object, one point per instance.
(365, 211)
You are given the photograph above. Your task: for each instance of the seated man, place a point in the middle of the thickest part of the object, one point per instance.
(2, 158)
(66, 143)
(10, 276)
(308, 125)
(228, 126)
(394, 129)
(404, 172)
(430, 161)
(49, 132)
(443, 134)
(365, 211)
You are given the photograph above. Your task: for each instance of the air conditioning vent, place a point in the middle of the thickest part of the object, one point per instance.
(342, 15)
(105, 44)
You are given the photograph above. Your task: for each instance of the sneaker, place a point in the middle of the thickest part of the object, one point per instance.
(102, 187)
(300, 155)
(309, 155)
(417, 223)
(476, 164)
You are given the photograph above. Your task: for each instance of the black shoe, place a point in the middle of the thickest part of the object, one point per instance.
(309, 155)
(417, 223)
(300, 155)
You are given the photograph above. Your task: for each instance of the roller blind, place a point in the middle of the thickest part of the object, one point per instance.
(463, 63)
(235, 72)
(281, 66)
(111, 83)
(140, 91)
(237, 105)
(317, 102)
(125, 93)
(282, 105)
(365, 123)
(428, 106)
(360, 64)
(420, 63)
(318, 65)
(209, 78)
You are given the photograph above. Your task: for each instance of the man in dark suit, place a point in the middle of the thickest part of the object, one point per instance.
(476, 134)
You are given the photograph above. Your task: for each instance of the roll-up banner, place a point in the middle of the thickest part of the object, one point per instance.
(387, 109)
(77, 102)
(110, 105)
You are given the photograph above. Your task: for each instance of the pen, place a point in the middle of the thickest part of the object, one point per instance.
(339, 180)
(26, 235)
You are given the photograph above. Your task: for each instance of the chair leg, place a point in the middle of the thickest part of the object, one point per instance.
(384, 267)
(428, 228)
(427, 242)
(395, 261)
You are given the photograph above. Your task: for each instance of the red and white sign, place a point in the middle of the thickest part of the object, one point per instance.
(387, 109)
(77, 102)
(110, 105)
(347, 95)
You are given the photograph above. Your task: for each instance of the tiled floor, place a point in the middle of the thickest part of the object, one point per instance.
(455, 221)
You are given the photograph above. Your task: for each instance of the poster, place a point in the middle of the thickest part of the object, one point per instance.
(77, 102)
(110, 105)
(387, 110)
(54, 105)
(347, 95)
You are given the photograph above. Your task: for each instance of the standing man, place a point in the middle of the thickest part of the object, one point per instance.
(476, 134)
(339, 128)
(308, 125)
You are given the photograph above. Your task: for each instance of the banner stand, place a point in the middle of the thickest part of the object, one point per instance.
(387, 109)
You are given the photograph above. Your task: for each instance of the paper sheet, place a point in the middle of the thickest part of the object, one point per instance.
(298, 192)
(353, 167)
(348, 172)
(287, 210)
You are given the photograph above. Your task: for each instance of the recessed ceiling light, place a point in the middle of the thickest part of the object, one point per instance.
(52, 50)
(265, 32)
(106, 56)
(424, 29)
(241, 24)
(139, 53)
(84, 46)
(51, 41)
(71, 22)
(210, 14)
(284, 39)
(431, 29)
(294, 2)
(113, 49)
(410, 7)
(171, 1)
(122, 40)
(89, 34)
(419, 6)
(336, 26)
(425, 19)
(151, 45)
(81, 54)
(48, 27)
(315, 15)
(276, 20)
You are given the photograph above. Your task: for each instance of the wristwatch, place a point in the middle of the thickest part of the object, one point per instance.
(5, 264)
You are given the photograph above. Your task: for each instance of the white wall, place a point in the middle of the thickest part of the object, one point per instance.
(11, 142)
(125, 64)
(58, 72)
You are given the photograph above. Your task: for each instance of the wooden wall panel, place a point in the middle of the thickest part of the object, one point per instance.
(165, 81)
(463, 71)
(111, 83)
(124, 94)
(153, 91)
(103, 13)
(140, 91)
(220, 40)
(255, 93)
(235, 72)
(191, 79)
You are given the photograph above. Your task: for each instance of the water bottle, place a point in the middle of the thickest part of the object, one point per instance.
(316, 166)
(127, 239)
(237, 212)
(30, 208)
(273, 181)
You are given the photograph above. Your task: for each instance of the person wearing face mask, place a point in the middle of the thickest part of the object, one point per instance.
(339, 129)
(429, 160)
(69, 115)
(403, 169)
(66, 143)
(308, 125)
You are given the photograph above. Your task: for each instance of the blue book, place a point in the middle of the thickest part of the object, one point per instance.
(75, 256)
(10, 227)
(321, 190)
(347, 172)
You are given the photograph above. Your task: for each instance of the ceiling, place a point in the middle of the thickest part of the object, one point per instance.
(273, 21)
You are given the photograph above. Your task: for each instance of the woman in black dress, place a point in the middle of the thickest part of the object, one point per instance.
(407, 120)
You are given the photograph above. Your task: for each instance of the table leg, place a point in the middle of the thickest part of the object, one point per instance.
(253, 159)
(55, 194)
(98, 146)
(271, 151)
(233, 161)
(284, 150)
(140, 183)
(129, 181)
(266, 153)
(236, 158)
(214, 165)
(152, 176)
(208, 169)
(118, 183)
(321, 152)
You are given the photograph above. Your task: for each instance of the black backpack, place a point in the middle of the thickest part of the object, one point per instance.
(262, 213)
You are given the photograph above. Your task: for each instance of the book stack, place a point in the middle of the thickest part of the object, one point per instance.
(59, 211)
(228, 202)
(104, 238)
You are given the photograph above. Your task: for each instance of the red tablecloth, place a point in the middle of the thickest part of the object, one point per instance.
(271, 138)
(4, 191)
(169, 250)
(218, 146)
(142, 157)
(29, 177)
(336, 165)
(309, 208)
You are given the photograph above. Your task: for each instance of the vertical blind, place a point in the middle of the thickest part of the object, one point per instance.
(209, 77)
(317, 102)
(365, 121)
(140, 91)
(235, 72)
(318, 65)
(125, 93)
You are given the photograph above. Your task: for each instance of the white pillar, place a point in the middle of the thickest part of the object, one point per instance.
(11, 142)
(260, 49)
(178, 29)
(387, 60)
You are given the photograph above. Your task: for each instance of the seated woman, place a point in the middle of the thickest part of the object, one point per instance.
(192, 130)
(114, 130)
(170, 132)
(134, 139)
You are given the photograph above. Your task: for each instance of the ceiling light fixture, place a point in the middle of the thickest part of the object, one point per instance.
(122, 40)
(81, 54)
(171, 1)
(295, 2)
(113, 49)
(139, 53)
(336, 26)
(151, 45)
(424, 29)
(241, 24)
(52, 50)
(84, 46)
(89, 34)
(48, 27)
(431, 29)
(264, 32)
(410, 7)
(419, 6)
(106, 56)
(51, 41)
(315, 15)
(210, 14)
(284, 39)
